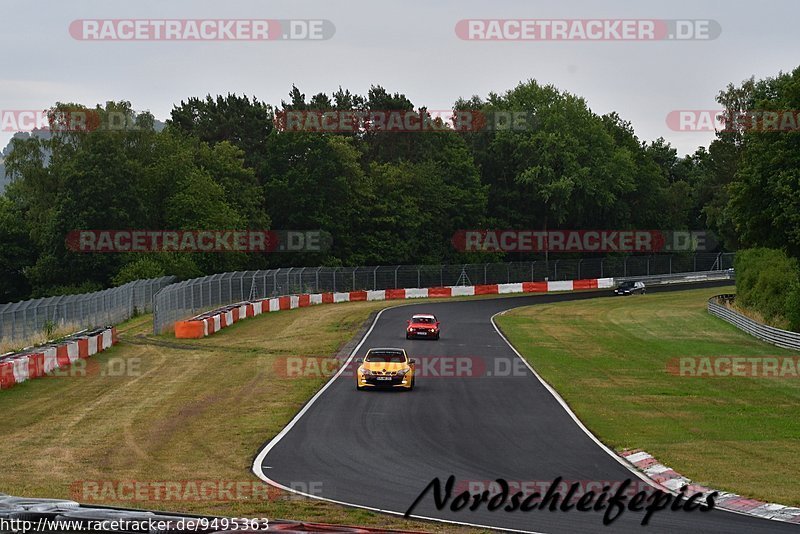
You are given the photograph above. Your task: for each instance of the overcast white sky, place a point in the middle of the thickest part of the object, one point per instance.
(408, 46)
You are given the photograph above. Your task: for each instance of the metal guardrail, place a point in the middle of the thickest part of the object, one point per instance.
(780, 338)
(188, 298)
(680, 278)
(19, 320)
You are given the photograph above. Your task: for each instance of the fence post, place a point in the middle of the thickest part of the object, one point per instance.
(354, 278)
(375, 278)
(418, 277)
(395, 276)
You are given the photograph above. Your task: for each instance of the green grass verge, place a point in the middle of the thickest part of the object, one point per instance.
(608, 360)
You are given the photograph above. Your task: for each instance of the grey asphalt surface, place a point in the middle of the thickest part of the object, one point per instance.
(381, 449)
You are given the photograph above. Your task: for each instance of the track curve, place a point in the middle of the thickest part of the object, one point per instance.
(349, 444)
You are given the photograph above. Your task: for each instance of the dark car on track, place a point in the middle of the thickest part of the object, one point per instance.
(630, 287)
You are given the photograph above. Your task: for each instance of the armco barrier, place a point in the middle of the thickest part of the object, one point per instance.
(212, 321)
(35, 362)
(780, 338)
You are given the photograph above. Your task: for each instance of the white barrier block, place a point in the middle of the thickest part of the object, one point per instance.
(274, 305)
(50, 359)
(93, 345)
(20, 369)
(72, 351)
(315, 298)
(206, 322)
(462, 291)
(561, 285)
(243, 312)
(509, 288)
(341, 297)
(257, 307)
(605, 283)
(417, 293)
(294, 302)
(229, 317)
(217, 323)
(106, 341)
(376, 295)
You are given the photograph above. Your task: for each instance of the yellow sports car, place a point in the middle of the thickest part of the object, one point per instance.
(385, 368)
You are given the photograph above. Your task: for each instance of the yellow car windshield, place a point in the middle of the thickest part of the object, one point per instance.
(385, 357)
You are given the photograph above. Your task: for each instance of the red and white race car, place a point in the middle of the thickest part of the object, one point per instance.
(423, 325)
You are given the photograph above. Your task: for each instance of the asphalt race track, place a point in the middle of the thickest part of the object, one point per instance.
(381, 449)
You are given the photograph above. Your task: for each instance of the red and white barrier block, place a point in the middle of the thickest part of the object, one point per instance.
(215, 320)
(35, 362)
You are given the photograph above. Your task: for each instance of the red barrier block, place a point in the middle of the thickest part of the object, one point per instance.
(358, 296)
(114, 335)
(284, 303)
(7, 375)
(490, 289)
(35, 365)
(585, 284)
(235, 312)
(62, 356)
(534, 287)
(190, 329)
(304, 301)
(327, 298)
(83, 349)
(250, 311)
(440, 292)
(395, 294)
(223, 320)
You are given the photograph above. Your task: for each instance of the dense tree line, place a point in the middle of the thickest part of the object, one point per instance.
(768, 283)
(385, 197)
